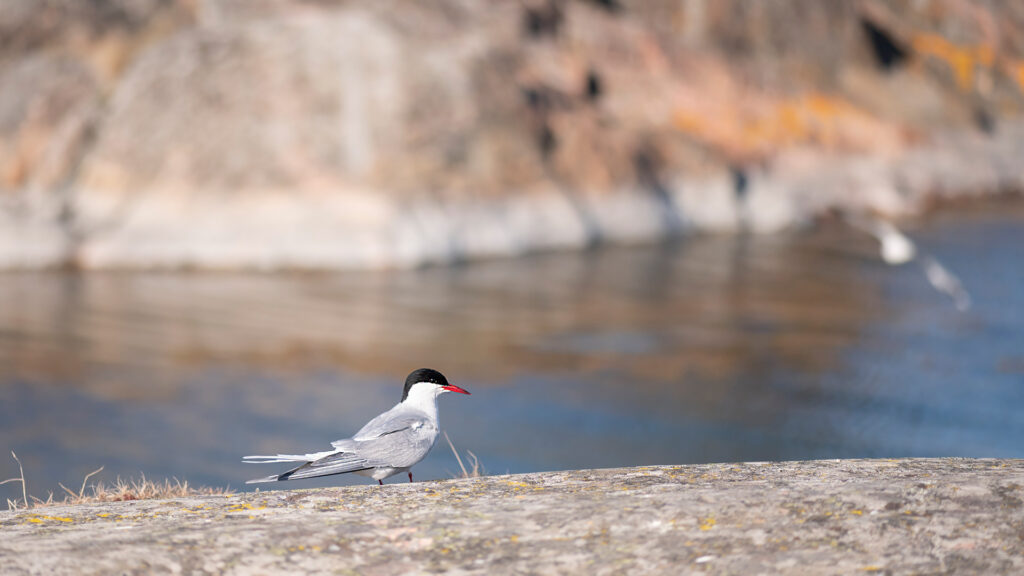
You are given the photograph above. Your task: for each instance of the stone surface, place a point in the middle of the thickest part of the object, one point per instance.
(908, 516)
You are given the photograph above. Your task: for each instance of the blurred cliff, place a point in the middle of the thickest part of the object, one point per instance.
(324, 134)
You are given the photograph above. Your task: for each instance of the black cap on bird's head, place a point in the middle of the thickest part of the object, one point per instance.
(428, 376)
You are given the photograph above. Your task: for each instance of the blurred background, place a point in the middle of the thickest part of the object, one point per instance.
(639, 232)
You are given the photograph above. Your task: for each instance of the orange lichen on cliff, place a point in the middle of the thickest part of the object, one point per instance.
(1015, 70)
(965, 60)
(962, 60)
(757, 127)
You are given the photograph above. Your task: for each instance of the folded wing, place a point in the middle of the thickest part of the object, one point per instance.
(392, 440)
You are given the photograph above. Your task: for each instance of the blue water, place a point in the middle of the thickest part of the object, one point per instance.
(707, 349)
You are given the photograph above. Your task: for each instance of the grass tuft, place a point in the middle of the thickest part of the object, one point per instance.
(119, 491)
(140, 489)
(12, 504)
(476, 470)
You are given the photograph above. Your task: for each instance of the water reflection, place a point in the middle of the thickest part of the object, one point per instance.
(714, 348)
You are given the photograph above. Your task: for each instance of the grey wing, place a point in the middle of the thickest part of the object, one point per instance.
(383, 423)
(398, 417)
(398, 438)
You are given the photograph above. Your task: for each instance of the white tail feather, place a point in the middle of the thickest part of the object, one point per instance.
(286, 458)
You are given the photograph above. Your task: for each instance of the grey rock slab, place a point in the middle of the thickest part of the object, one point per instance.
(904, 516)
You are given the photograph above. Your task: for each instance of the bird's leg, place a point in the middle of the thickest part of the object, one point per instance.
(410, 476)
(381, 482)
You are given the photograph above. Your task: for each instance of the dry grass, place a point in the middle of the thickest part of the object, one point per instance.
(119, 491)
(476, 470)
(24, 494)
(144, 489)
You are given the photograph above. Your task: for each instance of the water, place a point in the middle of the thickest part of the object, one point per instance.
(708, 349)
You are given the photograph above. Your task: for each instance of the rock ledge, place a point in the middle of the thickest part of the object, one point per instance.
(820, 517)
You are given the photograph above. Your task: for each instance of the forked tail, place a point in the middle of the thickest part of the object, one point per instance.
(313, 465)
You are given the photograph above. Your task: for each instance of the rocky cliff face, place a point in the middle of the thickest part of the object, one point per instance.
(228, 133)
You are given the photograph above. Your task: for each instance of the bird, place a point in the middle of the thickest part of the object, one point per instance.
(390, 444)
(897, 249)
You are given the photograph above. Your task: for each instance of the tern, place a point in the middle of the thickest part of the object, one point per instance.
(897, 249)
(390, 444)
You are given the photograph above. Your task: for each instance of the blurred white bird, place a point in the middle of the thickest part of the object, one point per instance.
(944, 281)
(897, 249)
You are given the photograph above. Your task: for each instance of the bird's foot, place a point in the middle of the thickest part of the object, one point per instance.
(410, 476)
(381, 482)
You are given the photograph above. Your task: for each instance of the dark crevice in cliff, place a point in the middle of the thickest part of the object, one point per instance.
(544, 20)
(68, 219)
(889, 52)
(612, 6)
(594, 87)
(648, 173)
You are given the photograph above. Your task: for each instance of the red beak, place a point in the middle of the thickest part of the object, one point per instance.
(454, 388)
